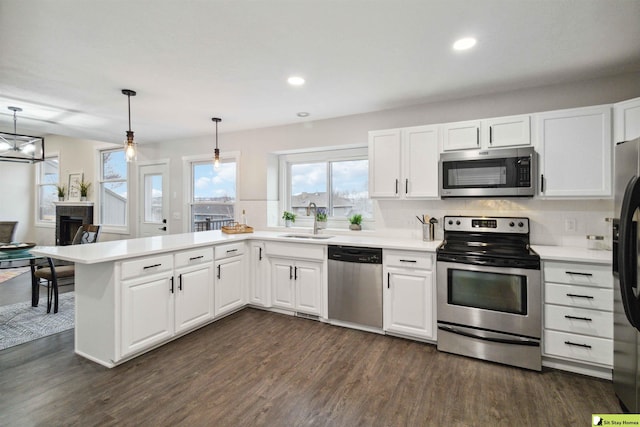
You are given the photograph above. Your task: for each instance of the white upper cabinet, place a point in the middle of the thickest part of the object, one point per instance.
(627, 120)
(575, 151)
(384, 163)
(461, 135)
(403, 163)
(496, 132)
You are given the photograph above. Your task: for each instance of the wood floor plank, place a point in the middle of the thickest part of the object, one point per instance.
(260, 368)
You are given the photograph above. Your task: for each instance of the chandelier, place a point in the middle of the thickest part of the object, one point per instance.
(20, 148)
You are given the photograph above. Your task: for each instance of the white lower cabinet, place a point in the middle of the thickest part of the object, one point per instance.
(409, 294)
(162, 296)
(229, 282)
(578, 313)
(194, 296)
(147, 312)
(259, 289)
(298, 277)
(297, 285)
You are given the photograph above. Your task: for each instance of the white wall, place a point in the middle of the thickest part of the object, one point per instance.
(392, 217)
(18, 181)
(395, 217)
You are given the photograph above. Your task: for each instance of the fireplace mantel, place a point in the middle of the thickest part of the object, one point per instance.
(73, 203)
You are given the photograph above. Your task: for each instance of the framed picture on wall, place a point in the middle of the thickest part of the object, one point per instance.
(74, 186)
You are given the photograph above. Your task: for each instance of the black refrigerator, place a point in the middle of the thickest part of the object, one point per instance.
(626, 302)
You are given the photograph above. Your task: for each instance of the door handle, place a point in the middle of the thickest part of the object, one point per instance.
(180, 282)
(290, 272)
(219, 270)
(295, 273)
(171, 284)
(163, 228)
(164, 220)
(628, 252)
(259, 254)
(406, 186)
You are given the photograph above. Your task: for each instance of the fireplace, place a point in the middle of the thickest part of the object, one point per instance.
(69, 217)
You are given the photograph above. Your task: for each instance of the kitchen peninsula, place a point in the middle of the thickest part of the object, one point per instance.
(135, 295)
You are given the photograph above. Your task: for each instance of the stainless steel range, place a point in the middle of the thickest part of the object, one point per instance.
(489, 291)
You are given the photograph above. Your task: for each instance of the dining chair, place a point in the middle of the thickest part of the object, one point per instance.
(87, 233)
(7, 230)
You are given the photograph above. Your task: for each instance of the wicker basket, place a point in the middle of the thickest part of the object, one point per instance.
(236, 228)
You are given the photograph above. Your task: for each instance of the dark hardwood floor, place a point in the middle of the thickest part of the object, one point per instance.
(260, 368)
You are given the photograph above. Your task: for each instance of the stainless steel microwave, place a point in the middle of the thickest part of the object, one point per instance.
(503, 172)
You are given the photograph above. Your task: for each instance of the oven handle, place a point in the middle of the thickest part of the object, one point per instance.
(521, 341)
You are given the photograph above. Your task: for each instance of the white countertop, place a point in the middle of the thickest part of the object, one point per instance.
(570, 253)
(122, 249)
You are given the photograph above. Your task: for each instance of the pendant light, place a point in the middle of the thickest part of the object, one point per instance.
(130, 150)
(20, 148)
(216, 152)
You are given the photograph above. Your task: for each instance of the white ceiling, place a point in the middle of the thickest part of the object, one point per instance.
(65, 61)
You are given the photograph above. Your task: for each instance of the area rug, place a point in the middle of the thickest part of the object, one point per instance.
(20, 323)
(12, 272)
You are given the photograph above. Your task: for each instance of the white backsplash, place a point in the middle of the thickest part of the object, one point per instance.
(394, 218)
(548, 218)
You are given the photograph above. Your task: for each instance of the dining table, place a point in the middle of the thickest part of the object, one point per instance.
(14, 259)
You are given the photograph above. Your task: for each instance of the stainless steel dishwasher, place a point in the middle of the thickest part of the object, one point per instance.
(355, 285)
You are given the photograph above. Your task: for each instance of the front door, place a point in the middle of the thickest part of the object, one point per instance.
(153, 182)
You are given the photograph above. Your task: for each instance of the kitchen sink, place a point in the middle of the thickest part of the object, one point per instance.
(307, 236)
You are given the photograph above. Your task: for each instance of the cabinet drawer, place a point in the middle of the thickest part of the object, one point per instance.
(145, 266)
(579, 347)
(419, 260)
(196, 256)
(578, 274)
(579, 296)
(296, 250)
(229, 250)
(579, 320)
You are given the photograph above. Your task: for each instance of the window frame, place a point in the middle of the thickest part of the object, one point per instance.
(187, 168)
(39, 184)
(324, 155)
(110, 228)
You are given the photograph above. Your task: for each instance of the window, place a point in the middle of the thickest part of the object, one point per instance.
(48, 180)
(114, 188)
(213, 194)
(336, 181)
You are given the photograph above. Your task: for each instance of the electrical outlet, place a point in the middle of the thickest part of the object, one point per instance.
(570, 224)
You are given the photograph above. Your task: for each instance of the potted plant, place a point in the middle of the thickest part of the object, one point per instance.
(289, 218)
(62, 190)
(84, 189)
(321, 218)
(355, 221)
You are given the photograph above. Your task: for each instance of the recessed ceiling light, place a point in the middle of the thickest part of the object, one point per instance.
(464, 44)
(295, 81)
(303, 114)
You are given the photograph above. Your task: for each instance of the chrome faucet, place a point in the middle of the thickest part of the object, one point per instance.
(315, 216)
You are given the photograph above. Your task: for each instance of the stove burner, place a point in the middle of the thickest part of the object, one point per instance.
(504, 243)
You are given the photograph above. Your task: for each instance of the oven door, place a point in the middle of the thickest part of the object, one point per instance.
(499, 299)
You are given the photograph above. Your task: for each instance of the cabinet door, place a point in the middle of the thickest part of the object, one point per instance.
(461, 135)
(194, 296)
(420, 162)
(384, 163)
(408, 303)
(259, 286)
(308, 285)
(507, 131)
(147, 312)
(228, 285)
(282, 283)
(575, 152)
(627, 120)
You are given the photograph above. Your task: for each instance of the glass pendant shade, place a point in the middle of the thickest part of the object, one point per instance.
(130, 147)
(216, 151)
